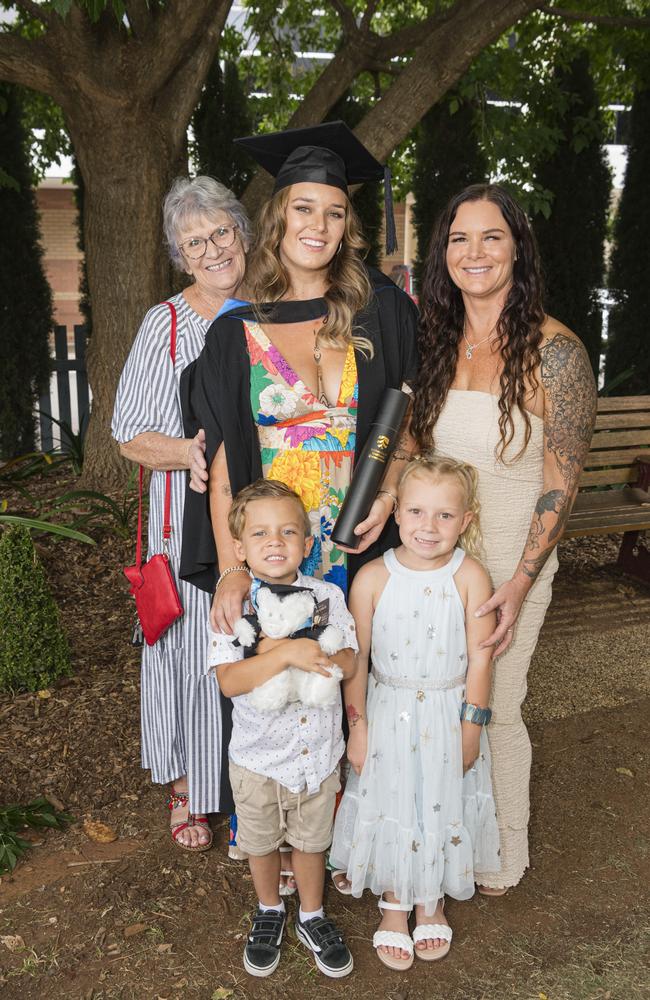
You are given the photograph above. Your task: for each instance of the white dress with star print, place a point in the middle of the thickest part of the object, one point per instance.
(411, 824)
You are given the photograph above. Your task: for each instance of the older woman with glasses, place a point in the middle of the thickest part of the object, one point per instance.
(208, 234)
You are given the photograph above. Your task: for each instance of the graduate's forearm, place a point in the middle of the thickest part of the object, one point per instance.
(158, 451)
(346, 660)
(354, 690)
(220, 503)
(244, 675)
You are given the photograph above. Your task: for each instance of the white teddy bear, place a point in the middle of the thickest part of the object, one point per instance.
(279, 616)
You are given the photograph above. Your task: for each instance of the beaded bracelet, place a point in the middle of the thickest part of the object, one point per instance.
(473, 713)
(239, 568)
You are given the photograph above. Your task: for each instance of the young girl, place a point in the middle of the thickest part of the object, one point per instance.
(417, 819)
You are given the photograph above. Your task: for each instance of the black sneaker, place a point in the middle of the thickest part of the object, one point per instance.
(324, 938)
(262, 951)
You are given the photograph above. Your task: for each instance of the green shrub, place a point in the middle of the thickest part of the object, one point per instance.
(33, 647)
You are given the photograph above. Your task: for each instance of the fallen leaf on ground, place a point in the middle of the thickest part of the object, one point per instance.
(221, 993)
(13, 942)
(626, 771)
(54, 801)
(45, 693)
(164, 949)
(134, 929)
(99, 832)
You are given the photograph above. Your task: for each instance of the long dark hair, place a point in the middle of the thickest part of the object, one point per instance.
(442, 317)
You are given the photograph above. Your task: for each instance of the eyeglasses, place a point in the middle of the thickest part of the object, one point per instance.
(221, 238)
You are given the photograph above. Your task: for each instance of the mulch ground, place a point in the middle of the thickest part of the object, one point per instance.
(137, 918)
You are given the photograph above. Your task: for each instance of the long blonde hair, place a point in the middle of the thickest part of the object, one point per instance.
(439, 467)
(349, 289)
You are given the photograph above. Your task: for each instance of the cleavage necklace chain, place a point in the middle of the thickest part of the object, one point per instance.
(469, 350)
(320, 390)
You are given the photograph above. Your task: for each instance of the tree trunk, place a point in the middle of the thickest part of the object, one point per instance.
(126, 170)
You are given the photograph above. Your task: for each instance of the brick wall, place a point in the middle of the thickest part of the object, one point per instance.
(58, 216)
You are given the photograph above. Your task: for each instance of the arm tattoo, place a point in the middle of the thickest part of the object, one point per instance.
(225, 489)
(570, 405)
(570, 414)
(353, 715)
(553, 502)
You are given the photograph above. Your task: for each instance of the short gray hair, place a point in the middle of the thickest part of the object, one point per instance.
(188, 199)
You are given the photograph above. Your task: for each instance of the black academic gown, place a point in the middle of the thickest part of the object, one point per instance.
(215, 395)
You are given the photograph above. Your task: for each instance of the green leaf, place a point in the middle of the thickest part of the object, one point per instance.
(53, 529)
(62, 7)
(10, 857)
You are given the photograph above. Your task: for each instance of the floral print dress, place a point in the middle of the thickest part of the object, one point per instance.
(306, 446)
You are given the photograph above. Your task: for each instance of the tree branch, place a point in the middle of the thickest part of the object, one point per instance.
(412, 35)
(604, 20)
(346, 16)
(175, 35)
(438, 63)
(27, 62)
(35, 10)
(368, 15)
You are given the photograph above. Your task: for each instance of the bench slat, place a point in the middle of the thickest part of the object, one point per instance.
(611, 511)
(622, 456)
(609, 477)
(614, 404)
(631, 419)
(577, 529)
(612, 439)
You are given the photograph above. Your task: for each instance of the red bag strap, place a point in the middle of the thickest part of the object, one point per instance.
(167, 528)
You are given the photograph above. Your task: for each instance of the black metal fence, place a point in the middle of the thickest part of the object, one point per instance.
(67, 399)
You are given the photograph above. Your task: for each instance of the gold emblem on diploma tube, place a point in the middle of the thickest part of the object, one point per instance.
(378, 452)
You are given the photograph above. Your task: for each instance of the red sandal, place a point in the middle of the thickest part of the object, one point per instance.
(180, 800)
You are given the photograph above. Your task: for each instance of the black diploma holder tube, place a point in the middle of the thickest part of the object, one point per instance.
(371, 466)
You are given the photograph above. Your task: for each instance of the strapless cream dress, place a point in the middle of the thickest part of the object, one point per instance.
(468, 430)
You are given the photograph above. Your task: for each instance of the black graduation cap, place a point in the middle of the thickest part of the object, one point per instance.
(324, 154)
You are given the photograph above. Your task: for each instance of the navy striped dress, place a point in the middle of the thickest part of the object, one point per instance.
(180, 711)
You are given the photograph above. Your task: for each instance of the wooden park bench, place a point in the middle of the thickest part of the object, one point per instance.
(619, 459)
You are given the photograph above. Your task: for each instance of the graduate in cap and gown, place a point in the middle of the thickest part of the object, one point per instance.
(287, 386)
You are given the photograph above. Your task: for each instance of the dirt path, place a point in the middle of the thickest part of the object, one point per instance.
(138, 919)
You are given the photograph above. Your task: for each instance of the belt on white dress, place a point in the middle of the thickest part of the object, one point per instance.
(423, 684)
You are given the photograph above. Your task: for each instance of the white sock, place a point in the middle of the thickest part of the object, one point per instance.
(277, 907)
(310, 916)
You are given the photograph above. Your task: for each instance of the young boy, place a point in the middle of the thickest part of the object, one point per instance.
(284, 765)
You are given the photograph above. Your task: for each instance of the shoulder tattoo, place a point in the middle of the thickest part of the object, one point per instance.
(570, 404)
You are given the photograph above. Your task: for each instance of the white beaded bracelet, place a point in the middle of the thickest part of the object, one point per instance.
(240, 568)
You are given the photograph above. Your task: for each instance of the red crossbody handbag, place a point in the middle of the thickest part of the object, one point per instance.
(152, 584)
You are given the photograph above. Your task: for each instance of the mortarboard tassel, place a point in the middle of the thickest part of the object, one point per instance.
(391, 233)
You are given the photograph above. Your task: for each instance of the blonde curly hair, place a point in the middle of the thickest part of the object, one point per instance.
(437, 467)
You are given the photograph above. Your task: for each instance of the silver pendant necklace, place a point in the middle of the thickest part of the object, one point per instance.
(469, 350)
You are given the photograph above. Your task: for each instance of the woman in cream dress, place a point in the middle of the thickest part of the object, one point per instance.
(510, 390)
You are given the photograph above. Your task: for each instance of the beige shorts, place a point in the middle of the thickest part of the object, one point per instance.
(268, 814)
